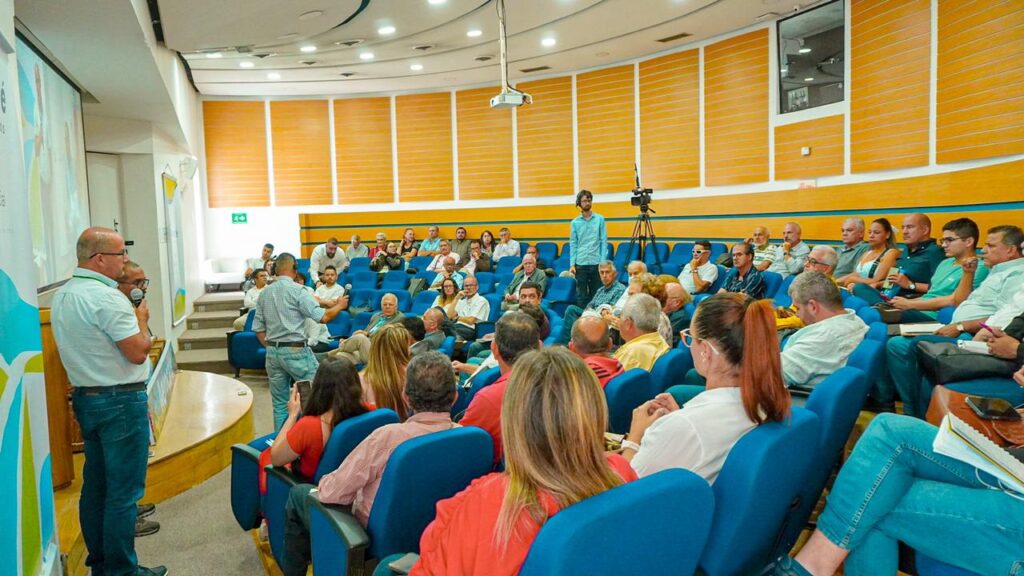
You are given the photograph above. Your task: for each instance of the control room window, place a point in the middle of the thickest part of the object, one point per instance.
(812, 61)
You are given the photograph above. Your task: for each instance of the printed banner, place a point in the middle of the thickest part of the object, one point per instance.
(175, 247)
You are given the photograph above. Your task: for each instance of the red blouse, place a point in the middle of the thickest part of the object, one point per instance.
(306, 439)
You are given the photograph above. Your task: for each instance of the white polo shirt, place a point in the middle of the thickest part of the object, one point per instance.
(90, 316)
(476, 307)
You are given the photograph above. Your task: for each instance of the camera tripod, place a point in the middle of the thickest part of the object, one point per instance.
(642, 230)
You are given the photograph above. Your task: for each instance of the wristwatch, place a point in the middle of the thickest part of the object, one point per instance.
(912, 287)
(960, 327)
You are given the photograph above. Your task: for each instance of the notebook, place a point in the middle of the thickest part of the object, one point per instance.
(958, 440)
(919, 329)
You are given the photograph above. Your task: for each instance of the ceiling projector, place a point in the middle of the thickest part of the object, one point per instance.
(510, 99)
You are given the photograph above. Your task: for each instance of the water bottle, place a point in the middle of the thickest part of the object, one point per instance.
(890, 288)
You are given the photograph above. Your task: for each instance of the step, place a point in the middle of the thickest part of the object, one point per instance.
(204, 339)
(215, 301)
(216, 319)
(215, 361)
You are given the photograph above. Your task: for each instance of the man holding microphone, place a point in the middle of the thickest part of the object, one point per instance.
(104, 345)
(588, 241)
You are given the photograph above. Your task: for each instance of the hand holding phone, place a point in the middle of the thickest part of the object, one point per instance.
(304, 389)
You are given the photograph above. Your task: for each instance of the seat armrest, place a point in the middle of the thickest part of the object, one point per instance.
(245, 493)
(339, 541)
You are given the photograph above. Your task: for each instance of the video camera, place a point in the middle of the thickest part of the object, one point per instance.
(641, 196)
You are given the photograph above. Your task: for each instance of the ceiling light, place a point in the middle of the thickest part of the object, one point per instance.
(474, 33)
(366, 56)
(437, 1)
(804, 50)
(274, 76)
(311, 14)
(416, 67)
(214, 55)
(548, 42)
(308, 48)
(809, 79)
(246, 64)
(386, 30)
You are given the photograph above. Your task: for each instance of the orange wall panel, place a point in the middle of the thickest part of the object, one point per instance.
(424, 126)
(362, 150)
(890, 41)
(670, 121)
(980, 109)
(301, 138)
(236, 154)
(606, 129)
(736, 109)
(824, 136)
(544, 132)
(485, 146)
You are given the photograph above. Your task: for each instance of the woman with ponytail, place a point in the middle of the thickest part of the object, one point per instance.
(736, 348)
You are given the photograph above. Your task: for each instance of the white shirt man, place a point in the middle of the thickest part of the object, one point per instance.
(356, 249)
(472, 305)
(253, 294)
(706, 271)
(325, 255)
(507, 246)
(328, 293)
(437, 264)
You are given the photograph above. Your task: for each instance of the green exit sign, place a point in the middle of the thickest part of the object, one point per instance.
(239, 218)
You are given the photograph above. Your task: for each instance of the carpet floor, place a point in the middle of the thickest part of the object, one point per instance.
(198, 534)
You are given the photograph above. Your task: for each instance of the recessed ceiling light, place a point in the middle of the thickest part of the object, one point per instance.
(804, 50)
(809, 79)
(437, 1)
(549, 42)
(274, 76)
(311, 14)
(246, 64)
(474, 33)
(308, 48)
(214, 55)
(416, 67)
(386, 30)
(366, 55)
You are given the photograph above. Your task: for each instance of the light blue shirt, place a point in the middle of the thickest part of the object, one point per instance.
(588, 240)
(90, 316)
(282, 310)
(1002, 283)
(797, 257)
(429, 245)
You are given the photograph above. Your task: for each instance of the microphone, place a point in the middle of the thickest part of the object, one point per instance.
(137, 296)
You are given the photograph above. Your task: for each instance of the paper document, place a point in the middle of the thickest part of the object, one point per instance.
(919, 329)
(958, 440)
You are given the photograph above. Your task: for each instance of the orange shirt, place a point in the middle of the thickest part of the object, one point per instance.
(306, 439)
(460, 540)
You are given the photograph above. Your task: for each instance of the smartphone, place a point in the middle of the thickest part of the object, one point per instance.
(992, 408)
(305, 388)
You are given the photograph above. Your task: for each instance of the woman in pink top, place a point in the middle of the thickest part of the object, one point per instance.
(552, 423)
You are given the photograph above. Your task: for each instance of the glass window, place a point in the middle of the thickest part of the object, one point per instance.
(811, 58)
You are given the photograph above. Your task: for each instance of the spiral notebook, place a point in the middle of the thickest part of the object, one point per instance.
(957, 439)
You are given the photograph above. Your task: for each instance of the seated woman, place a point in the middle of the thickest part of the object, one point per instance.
(873, 267)
(334, 397)
(384, 376)
(735, 347)
(553, 420)
(447, 298)
(895, 488)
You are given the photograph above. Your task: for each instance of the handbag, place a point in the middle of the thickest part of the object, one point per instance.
(945, 362)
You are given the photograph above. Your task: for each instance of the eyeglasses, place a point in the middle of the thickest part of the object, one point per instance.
(142, 283)
(814, 262)
(698, 252)
(949, 240)
(122, 254)
(689, 339)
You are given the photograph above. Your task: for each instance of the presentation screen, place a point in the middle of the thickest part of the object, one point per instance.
(53, 144)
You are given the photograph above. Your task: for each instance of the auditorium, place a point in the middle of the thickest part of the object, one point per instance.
(500, 287)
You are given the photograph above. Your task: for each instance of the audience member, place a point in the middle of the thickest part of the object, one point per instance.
(539, 315)
(743, 277)
(356, 249)
(605, 298)
(529, 303)
(853, 248)
(638, 327)
(280, 326)
(443, 252)
(429, 389)
(506, 247)
(830, 336)
(325, 255)
(448, 273)
(553, 428)
(384, 374)
(479, 261)
(793, 252)
(433, 336)
(514, 334)
(822, 259)
(461, 244)
(592, 342)
(380, 246)
(765, 254)
(432, 244)
(409, 247)
(487, 243)
(699, 273)
(541, 265)
(991, 304)
(633, 269)
(329, 292)
(356, 348)
(447, 297)
(529, 273)
(676, 299)
(252, 295)
(470, 309)
(588, 247)
(874, 265)
(388, 260)
(133, 276)
(253, 264)
(916, 264)
(734, 345)
(896, 488)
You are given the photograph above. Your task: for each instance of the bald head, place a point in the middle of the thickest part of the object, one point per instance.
(675, 297)
(917, 228)
(590, 337)
(102, 251)
(432, 320)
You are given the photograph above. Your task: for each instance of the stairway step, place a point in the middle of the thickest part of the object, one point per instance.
(215, 319)
(215, 301)
(215, 361)
(204, 339)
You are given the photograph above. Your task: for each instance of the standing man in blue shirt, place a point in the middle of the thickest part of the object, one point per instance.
(588, 242)
(104, 345)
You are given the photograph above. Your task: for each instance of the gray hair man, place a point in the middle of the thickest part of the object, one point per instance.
(638, 326)
(853, 248)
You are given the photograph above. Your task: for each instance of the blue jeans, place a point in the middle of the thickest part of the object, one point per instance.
(285, 366)
(895, 488)
(572, 314)
(588, 281)
(905, 374)
(115, 427)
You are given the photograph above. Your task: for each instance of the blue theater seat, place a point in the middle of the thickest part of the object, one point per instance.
(423, 301)
(624, 393)
(244, 349)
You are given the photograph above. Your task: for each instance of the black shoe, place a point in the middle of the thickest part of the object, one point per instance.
(145, 510)
(145, 527)
(154, 571)
(878, 407)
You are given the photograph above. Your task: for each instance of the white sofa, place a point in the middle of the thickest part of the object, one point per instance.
(223, 272)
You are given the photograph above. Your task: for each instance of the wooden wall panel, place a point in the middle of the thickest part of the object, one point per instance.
(736, 109)
(544, 132)
(485, 146)
(301, 138)
(424, 147)
(825, 138)
(670, 121)
(890, 42)
(236, 153)
(362, 150)
(606, 129)
(980, 108)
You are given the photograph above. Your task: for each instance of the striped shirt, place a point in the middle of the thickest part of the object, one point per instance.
(282, 311)
(752, 284)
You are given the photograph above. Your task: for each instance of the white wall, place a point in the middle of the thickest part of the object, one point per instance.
(105, 190)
